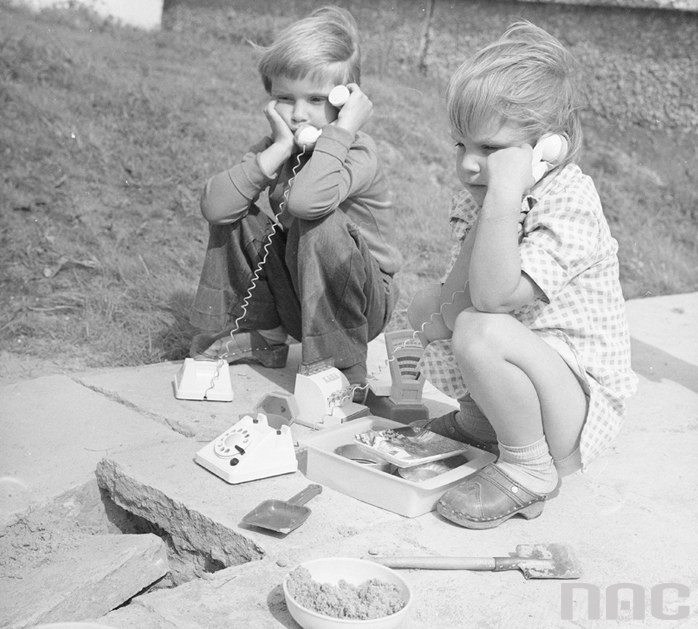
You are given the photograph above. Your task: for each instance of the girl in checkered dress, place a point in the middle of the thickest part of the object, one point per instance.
(528, 329)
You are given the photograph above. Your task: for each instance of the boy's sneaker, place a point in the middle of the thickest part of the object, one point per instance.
(240, 347)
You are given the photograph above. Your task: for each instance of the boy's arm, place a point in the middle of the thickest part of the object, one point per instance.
(227, 196)
(341, 166)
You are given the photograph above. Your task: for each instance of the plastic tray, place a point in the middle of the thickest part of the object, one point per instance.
(372, 485)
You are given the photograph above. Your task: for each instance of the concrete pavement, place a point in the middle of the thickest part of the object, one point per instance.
(630, 518)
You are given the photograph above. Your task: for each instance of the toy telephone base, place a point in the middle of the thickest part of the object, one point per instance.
(405, 349)
(203, 380)
(249, 450)
(383, 406)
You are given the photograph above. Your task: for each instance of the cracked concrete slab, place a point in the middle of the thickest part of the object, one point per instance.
(150, 390)
(630, 518)
(163, 485)
(97, 575)
(53, 431)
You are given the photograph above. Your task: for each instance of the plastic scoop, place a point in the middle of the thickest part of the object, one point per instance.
(282, 516)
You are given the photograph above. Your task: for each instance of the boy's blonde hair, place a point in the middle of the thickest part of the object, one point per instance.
(526, 77)
(324, 46)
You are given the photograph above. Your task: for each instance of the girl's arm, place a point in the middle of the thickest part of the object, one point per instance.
(496, 281)
(455, 294)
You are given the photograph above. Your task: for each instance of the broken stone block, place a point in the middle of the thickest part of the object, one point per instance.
(85, 581)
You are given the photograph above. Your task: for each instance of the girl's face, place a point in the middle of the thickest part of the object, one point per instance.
(472, 151)
(303, 101)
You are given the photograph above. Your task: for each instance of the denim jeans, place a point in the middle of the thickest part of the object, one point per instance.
(318, 280)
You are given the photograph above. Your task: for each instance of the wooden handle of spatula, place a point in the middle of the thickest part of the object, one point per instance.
(493, 564)
(438, 563)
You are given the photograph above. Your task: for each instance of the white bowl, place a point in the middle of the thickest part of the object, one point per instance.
(353, 571)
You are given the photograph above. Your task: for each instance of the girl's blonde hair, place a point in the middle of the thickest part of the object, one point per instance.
(526, 77)
(324, 46)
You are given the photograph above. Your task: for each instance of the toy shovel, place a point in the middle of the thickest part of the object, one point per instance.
(282, 516)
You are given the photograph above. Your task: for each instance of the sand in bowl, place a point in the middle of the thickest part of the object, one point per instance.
(371, 599)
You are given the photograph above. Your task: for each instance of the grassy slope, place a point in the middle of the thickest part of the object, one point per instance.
(108, 134)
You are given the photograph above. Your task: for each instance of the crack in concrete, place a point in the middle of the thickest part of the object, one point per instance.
(115, 397)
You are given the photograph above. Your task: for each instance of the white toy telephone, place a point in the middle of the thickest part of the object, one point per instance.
(548, 153)
(203, 380)
(324, 397)
(248, 450)
(307, 135)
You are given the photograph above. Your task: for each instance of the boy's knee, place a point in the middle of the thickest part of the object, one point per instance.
(331, 237)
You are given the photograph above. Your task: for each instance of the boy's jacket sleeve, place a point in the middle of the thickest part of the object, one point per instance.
(227, 196)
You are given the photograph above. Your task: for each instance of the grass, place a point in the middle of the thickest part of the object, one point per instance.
(109, 133)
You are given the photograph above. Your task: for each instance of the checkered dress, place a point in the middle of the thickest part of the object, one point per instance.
(567, 249)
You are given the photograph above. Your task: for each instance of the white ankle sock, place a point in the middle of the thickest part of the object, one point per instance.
(531, 466)
(275, 336)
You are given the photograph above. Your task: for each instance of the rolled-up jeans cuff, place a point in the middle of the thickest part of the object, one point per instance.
(346, 347)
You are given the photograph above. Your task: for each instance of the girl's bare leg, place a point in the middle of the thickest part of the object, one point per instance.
(524, 387)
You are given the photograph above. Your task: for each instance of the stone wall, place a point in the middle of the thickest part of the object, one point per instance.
(146, 14)
(678, 5)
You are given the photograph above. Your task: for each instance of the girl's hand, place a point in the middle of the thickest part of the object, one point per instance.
(280, 132)
(509, 170)
(356, 111)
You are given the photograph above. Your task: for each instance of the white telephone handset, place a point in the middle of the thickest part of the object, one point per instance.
(307, 135)
(549, 152)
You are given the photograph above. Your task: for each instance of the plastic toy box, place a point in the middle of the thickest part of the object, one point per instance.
(375, 486)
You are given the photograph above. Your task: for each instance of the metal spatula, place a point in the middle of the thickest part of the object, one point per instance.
(536, 561)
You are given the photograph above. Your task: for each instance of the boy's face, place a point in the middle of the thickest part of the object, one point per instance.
(473, 150)
(303, 101)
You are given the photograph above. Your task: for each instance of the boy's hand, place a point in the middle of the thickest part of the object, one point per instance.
(280, 131)
(356, 111)
(271, 159)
